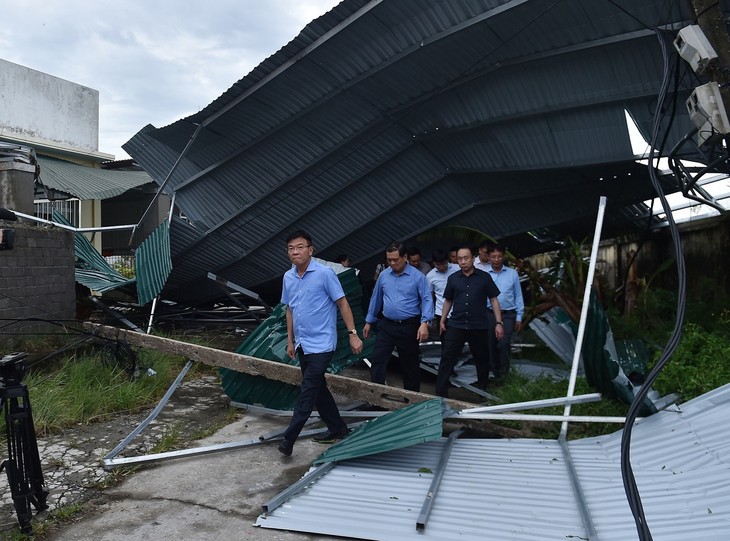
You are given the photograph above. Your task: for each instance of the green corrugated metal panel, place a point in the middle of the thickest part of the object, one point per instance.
(92, 270)
(562, 317)
(88, 182)
(633, 356)
(600, 368)
(248, 389)
(265, 341)
(402, 428)
(153, 264)
(101, 281)
(268, 341)
(605, 368)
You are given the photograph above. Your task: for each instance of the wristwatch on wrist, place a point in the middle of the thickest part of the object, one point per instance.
(352, 331)
(500, 323)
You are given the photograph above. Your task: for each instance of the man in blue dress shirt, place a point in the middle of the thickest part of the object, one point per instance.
(312, 294)
(404, 298)
(513, 308)
(437, 277)
(466, 296)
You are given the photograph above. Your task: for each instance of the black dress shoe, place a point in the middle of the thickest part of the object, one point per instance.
(331, 437)
(286, 447)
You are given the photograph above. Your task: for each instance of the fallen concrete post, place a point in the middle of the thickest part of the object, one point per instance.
(383, 396)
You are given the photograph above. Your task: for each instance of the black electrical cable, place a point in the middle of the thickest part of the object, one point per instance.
(649, 219)
(118, 354)
(627, 474)
(632, 493)
(83, 337)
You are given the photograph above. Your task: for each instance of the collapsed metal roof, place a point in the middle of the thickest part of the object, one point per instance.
(520, 489)
(91, 269)
(385, 120)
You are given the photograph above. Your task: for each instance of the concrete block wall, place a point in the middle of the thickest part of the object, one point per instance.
(704, 246)
(36, 281)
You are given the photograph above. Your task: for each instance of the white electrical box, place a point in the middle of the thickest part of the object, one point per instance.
(694, 47)
(707, 111)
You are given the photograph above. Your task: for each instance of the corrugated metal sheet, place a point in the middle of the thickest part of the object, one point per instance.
(383, 120)
(520, 489)
(101, 280)
(91, 269)
(11, 152)
(405, 427)
(152, 263)
(88, 182)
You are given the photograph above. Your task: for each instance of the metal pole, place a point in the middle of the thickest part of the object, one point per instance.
(534, 404)
(152, 314)
(151, 417)
(579, 495)
(536, 417)
(283, 496)
(116, 315)
(72, 228)
(436, 482)
(584, 311)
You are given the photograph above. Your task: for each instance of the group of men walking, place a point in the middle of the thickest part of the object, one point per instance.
(475, 301)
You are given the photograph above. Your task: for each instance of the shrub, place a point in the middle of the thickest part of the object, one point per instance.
(700, 363)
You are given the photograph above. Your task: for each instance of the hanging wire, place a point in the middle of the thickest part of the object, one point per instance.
(627, 474)
(118, 354)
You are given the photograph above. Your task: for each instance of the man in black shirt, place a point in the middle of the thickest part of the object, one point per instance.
(466, 297)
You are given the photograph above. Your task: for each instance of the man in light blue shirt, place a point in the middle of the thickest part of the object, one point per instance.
(512, 306)
(312, 294)
(482, 260)
(404, 298)
(437, 278)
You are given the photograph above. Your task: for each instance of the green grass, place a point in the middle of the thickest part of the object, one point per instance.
(518, 388)
(43, 528)
(171, 440)
(700, 361)
(84, 389)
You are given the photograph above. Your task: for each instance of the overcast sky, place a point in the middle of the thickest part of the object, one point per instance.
(152, 61)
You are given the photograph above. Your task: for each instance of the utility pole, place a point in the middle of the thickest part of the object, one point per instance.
(710, 19)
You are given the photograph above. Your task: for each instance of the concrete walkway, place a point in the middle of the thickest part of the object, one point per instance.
(210, 497)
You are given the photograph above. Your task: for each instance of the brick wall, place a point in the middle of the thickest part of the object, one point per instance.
(36, 281)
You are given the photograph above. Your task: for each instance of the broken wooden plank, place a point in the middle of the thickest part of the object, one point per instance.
(376, 394)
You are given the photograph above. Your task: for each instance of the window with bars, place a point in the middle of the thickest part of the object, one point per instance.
(69, 208)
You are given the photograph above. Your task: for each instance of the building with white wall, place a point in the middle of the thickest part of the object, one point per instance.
(59, 119)
(50, 114)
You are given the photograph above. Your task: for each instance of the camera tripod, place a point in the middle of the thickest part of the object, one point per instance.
(23, 465)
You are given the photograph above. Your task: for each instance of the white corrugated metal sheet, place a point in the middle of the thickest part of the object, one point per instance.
(511, 490)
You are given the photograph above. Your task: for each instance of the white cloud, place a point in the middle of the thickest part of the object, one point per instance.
(152, 62)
